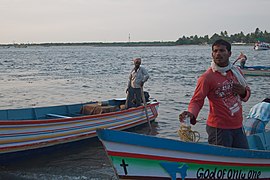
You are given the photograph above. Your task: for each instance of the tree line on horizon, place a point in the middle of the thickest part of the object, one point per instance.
(249, 38)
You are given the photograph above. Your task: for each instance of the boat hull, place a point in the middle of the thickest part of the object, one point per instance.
(19, 136)
(261, 46)
(256, 71)
(149, 157)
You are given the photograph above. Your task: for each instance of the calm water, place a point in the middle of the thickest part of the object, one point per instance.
(42, 76)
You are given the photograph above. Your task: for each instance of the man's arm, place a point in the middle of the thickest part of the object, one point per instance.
(200, 93)
(129, 82)
(243, 92)
(145, 76)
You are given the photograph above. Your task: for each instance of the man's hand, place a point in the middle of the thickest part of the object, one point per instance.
(190, 115)
(241, 55)
(239, 89)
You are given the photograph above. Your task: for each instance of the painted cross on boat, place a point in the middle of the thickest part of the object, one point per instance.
(124, 165)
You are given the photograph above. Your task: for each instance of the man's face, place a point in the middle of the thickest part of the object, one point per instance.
(137, 64)
(221, 55)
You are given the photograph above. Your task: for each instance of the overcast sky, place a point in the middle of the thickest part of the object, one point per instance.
(39, 21)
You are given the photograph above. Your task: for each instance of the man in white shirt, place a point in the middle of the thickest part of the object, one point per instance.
(258, 117)
(137, 78)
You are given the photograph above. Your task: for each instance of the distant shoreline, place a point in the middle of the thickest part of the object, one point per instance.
(112, 44)
(124, 44)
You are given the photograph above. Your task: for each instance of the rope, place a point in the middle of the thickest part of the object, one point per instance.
(186, 134)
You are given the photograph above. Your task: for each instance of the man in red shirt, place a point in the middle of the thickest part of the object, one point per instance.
(225, 87)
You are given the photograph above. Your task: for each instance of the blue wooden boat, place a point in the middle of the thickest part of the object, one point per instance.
(30, 129)
(256, 70)
(136, 156)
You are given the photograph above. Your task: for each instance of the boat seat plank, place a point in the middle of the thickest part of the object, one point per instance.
(57, 116)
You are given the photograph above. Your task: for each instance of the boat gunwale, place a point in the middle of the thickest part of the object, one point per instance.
(82, 117)
(177, 145)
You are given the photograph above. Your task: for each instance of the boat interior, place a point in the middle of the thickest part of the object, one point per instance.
(63, 111)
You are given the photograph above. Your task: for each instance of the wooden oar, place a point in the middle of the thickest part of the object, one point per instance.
(145, 109)
(126, 104)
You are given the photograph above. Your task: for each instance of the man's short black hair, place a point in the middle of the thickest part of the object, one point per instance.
(222, 42)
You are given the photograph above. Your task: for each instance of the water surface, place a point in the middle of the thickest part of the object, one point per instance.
(44, 76)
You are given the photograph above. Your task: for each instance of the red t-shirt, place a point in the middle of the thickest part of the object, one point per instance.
(225, 107)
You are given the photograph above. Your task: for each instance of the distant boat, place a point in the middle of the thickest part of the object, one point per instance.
(261, 46)
(256, 70)
(20, 45)
(28, 131)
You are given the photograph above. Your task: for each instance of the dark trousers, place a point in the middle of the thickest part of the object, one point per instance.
(227, 137)
(134, 97)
